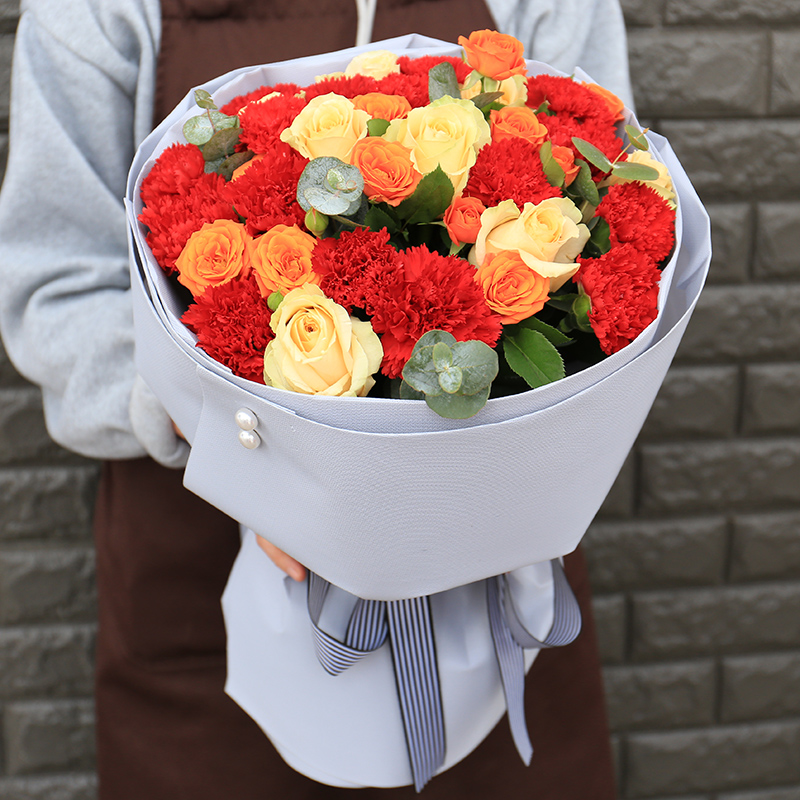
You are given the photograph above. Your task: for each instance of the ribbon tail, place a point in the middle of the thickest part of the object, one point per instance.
(416, 673)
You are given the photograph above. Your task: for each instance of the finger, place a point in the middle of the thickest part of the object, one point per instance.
(294, 569)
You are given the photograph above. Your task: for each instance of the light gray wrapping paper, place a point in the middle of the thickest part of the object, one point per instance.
(387, 500)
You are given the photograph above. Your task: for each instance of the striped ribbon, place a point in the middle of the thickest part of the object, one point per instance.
(408, 625)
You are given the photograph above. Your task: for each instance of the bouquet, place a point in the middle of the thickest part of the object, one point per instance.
(410, 304)
(428, 228)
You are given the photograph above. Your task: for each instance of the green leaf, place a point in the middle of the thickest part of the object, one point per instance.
(478, 363)
(198, 130)
(553, 335)
(407, 392)
(450, 378)
(584, 184)
(442, 82)
(592, 154)
(553, 171)
(600, 240)
(458, 406)
(635, 172)
(563, 302)
(486, 98)
(204, 100)
(430, 200)
(442, 357)
(533, 357)
(580, 313)
(377, 219)
(221, 144)
(377, 127)
(637, 138)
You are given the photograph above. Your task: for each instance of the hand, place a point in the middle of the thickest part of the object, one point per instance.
(294, 569)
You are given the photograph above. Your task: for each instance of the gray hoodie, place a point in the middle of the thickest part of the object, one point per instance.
(82, 98)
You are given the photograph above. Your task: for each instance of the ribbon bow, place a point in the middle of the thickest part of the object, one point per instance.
(408, 625)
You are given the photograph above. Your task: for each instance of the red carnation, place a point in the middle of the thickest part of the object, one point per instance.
(232, 325)
(352, 267)
(603, 136)
(265, 195)
(174, 172)
(567, 98)
(424, 64)
(623, 288)
(173, 218)
(263, 122)
(239, 102)
(413, 87)
(509, 170)
(344, 86)
(639, 216)
(430, 291)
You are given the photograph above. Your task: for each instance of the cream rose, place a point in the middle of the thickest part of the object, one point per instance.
(662, 184)
(548, 236)
(515, 90)
(374, 64)
(447, 133)
(319, 349)
(328, 126)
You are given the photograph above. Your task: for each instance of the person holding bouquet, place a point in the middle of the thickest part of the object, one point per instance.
(89, 80)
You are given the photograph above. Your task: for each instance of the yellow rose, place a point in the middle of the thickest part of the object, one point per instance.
(662, 185)
(374, 64)
(319, 349)
(548, 236)
(447, 133)
(328, 126)
(515, 91)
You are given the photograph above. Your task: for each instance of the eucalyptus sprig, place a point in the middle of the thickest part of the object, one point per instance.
(216, 134)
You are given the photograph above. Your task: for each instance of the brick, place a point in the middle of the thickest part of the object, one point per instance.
(641, 12)
(764, 686)
(23, 436)
(716, 12)
(49, 737)
(701, 622)
(790, 793)
(8, 375)
(748, 323)
(620, 500)
(770, 399)
(658, 696)
(738, 160)
(695, 402)
(644, 554)
(56, 661)
(785, 95)
(732, 227)
(718, 759)
(766, 546)
(55, 502)
(58, 787)
(720, 476)
(52, 585)
(611, 621)
(699, 73)
(6, 53)
(777, 253)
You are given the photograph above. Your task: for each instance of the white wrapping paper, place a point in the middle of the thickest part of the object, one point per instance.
(387, 500)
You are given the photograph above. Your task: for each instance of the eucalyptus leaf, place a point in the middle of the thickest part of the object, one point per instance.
(592, 154)
(230, 164)
(637, 138)
(458, 406)
(221, 144)
(198, 130)
(407, 392)
(478, 363)
(584, 184)
(635, 172)
(450, 378)
(553, 171)
(533, 357)
(214, 166)
(442, 356)
(442, 82)
(485, 98)
(430, 200)
(204, 99)
(377, 127)
(325, 202)
(330, 186)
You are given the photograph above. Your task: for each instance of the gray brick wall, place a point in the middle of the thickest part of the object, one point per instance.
(695, 556)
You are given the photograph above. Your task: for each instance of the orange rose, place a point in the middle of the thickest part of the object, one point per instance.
(389, 174)
(566, 160)
(463, 219)
(517, 122)
(495, 55)
(511, 287)
(615, 105)
(214, 255)
(281, 259)
(383, 106)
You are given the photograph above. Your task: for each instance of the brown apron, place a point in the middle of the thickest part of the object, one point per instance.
(165, 728)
